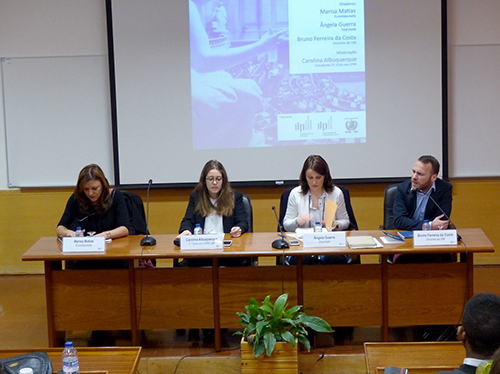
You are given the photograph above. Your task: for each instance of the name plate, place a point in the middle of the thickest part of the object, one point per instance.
(85, 244)
(434, 237)
(324, 239)
(194, 242)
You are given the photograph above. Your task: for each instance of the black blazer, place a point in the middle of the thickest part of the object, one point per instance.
(405, 203)
(237, 219)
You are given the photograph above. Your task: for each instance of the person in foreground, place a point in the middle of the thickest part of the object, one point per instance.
(413, 204)
(217, 208)
(307, 202)
(96, 208)
(480, 332)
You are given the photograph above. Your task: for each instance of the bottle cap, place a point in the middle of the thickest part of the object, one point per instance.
(26, 371)
(78, 228)
(68, 345)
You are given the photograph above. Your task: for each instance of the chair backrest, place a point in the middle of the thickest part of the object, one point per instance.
(137, 217)
(419, 358)
(283, 204)
(389, 195)
(248, 211)
(353, 225)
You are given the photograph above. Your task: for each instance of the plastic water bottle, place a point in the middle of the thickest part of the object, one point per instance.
(198, 230)
(70, 359)
(318, 227)
(79, 232)
(426, 225)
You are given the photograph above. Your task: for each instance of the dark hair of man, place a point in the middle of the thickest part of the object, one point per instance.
(89, 173)
(481, 323)
(225, 200)
(427, 159)
(319, 165)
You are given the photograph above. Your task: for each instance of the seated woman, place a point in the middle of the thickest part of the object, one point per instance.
(306, 205)
(98, 210)
(217, 208)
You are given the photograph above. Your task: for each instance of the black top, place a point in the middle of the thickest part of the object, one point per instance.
(116, 216)
(405, 203)
(237, 219)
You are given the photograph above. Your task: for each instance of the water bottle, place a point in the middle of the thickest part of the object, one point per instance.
(318, 227)
(70, 359)
(79, 232)
(426, 225)
(198, 230)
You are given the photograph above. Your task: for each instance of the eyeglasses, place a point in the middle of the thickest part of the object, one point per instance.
(212, 179)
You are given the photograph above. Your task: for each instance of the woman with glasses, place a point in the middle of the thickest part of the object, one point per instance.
(215, 205)
(95, 207)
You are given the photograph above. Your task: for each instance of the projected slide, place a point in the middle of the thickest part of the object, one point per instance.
(293, 74)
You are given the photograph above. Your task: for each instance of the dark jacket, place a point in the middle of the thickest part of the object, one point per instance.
(405, 203)
(237, 219)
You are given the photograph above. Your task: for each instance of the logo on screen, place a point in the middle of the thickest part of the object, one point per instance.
(351, 125)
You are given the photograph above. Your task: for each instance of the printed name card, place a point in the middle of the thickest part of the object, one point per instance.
(85, 244)
(434, 237)
(193, 242)
(324, 239)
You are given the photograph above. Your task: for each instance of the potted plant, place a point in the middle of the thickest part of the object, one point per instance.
(269, 324)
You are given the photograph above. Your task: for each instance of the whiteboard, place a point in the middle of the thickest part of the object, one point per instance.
(57, 119)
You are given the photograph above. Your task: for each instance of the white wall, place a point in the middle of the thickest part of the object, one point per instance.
(40, 28)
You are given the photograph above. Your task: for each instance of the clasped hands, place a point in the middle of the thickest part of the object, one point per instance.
(235, 232)
(439, 224)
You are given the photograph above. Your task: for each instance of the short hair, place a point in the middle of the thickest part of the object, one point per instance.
(319, 165)
(87, 174)
(481, 323)
(428, 159)
(225, 201)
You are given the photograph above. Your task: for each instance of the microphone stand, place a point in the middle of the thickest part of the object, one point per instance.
(148, 240)
(279, 243)
(451, 225)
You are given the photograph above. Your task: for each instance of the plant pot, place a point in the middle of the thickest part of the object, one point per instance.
(284, 360)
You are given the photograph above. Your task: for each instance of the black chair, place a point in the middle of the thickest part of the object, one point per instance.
(389, 196)
(136, 214)
(248, 211)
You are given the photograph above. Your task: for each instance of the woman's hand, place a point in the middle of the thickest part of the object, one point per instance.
(235, 232)
(185, 232)
(303, 218)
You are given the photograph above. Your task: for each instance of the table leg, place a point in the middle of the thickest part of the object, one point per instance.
(384, 268)
(216, 298)
(134, 323)
(49, 267)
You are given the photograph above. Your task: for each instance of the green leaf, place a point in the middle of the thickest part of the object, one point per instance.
(279, 305)
(269, 342)
(288, 337)
(290, 312)
(267, 309)
(258, 349)
(305, 342)
(317, 324)
(260, 325)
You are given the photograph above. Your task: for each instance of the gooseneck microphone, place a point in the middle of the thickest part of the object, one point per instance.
(279, 243)
(451, 225)
(148, 240)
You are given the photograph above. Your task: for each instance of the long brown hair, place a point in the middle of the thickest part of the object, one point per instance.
(87, 174)
(225, 201)
(319, 165)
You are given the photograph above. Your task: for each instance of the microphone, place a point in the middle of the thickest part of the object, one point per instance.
(451, 225)
(279, 243)
(148, 240)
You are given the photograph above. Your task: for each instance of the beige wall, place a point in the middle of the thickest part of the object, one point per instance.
(29, 214)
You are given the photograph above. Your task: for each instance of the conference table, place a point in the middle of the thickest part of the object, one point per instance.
(106, 360)
(365, 294)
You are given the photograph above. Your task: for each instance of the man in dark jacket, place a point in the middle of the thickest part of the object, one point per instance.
(480, 332)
